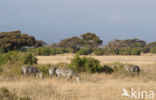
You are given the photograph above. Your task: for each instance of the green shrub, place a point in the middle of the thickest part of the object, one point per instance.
(69, 50)
(117, 67)
(109, 51)
(145, 50)
(125, 51)
(52, 51)
(60, 50)
(19, 58)
(91, 65)
(29, 59)
(153, 50)
(2, 51)
(44, 68)
(84, 64)
(105, 69)
(135, 51)
(44, 51)
(99, 52)
(84, 51)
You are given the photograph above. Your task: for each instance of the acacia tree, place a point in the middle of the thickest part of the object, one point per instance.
(122, 45)
(91, 39)
(15, 39)
(88, 40)
(132, 43)
(71, 42)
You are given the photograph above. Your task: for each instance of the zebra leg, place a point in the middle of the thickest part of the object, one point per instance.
(34, 74)
(58, 76)
(69, 77)
(137, 73)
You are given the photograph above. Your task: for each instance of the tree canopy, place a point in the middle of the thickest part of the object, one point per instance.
(88, 40)
(15, 39)
(132, 43)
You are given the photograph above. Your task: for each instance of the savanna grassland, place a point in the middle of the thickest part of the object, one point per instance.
(139, 60)
(92, 87)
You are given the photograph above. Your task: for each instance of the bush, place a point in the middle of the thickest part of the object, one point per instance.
(125, 51)
(117, 67)
(29, 59)
(69, 50)
(91, 65)
(60, 50)
(135, 51)
(19, 58)
(44, 68)
(105, 69)
(84, 51)
(109, 51)
(84, 64)
(145, 50)
(99, 52)
(153, 50)
(52, 51)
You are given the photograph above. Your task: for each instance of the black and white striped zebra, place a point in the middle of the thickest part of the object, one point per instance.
(28, 69)
(67, 72)
(52, 71)
(132, 68)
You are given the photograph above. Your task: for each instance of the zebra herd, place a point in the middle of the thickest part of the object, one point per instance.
(67, 72)
(58, 71)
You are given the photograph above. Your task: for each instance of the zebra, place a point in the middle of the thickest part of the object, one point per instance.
(52, 71)
(67, 72)
(28, 69)
(132, 68)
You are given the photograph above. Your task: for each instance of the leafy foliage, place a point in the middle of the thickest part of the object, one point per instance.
(125, 51)
(88, 64)
(87, 40)
(14, 57)
(84, 51)
(99, 52)
(132, 43)
(84, 64)
(29, 59)
(15, 40)
(91, 39)
(135, 51)
(105, 69)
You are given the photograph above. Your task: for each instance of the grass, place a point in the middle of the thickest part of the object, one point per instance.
(92, 87)
(139, 60)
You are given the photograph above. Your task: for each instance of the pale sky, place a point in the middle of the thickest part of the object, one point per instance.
(53, 20)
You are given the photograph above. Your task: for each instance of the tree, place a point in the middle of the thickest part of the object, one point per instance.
(151, 45)
(132, 43)
(91, 39)
(14, 40)
(87, 40)
(73, 42)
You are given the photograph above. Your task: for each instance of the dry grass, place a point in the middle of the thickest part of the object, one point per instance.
(139, 60)
(92, 86)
